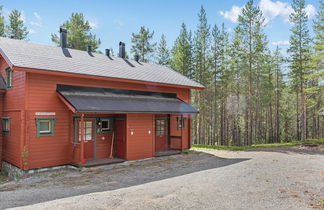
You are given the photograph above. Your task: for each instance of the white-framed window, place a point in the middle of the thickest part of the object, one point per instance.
(105, 125)
(88, 130)
(45, 126)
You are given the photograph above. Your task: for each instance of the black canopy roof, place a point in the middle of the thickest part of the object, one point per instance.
(104, 100)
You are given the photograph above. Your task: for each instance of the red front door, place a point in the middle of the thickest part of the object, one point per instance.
(120, 138)
(161, 134)
(89, 126)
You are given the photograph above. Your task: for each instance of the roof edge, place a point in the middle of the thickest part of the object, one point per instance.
(60, 73)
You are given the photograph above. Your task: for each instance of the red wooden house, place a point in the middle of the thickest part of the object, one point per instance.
(63, 106)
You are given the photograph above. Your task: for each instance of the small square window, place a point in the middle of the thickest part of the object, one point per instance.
(105, 125)
(9, 78)
(45, 126)
(6, 125)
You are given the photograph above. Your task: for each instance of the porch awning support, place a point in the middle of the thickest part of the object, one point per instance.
(83, 161)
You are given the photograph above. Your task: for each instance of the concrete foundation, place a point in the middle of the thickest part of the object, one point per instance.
(15, 172)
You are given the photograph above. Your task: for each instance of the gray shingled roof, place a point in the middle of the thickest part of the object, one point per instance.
(51, 58)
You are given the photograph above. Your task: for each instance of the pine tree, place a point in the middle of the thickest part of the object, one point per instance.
(299, 52)
(278, 61)
(220, 78)
(163, 53)
(16, 28)
(315, 91)
(201, 72)
(252, 39)
(79, 35)
(182, 53)
(2, 23)
(319, 37)
(142, 44)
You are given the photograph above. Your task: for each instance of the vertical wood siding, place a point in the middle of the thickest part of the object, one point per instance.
(139, 145)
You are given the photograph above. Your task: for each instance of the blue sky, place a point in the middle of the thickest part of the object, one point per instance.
(114, 21)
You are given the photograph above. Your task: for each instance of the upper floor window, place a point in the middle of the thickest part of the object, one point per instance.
(6, 125)
(9, 78)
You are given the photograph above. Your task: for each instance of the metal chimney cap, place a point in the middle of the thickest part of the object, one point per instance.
(136, 57)
(64, 30)
(89, 48)
(107, 52)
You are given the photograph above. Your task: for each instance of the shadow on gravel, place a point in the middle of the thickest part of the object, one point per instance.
(303, 150)
(48, 186)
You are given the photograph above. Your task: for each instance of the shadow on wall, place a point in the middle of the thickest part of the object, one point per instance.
(105, 178)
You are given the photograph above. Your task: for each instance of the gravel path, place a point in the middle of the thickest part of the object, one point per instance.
(276, 178)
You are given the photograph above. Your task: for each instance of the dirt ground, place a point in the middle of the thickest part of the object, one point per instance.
(272, 178)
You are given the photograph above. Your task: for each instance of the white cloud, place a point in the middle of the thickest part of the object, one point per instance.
(280, 43)
(310, 11)
(93, 25)
(233, 14)
(38, 21)
(32, 31)
(270, 9)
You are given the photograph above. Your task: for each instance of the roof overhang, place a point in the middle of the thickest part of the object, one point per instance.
(58, 73)
(104, 100)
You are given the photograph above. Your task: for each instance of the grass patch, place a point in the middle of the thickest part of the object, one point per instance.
(240, 148)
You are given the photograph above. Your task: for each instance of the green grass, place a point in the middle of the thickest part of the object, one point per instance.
(240, 148)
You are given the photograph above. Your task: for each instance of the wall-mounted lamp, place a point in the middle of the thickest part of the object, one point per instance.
(149, 131)
(132, 131)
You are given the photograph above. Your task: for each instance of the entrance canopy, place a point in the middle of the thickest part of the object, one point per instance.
(105, 100)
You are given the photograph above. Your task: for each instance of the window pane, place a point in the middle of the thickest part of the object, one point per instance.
(44, 126)
(105, 125)
(88, 124)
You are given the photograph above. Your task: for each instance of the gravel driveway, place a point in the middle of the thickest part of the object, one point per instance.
(277, 178)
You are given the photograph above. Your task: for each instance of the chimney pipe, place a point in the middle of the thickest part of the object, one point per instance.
(122, 49)
(89, 48)
(107, 52)
(136, 57)
(63, 38)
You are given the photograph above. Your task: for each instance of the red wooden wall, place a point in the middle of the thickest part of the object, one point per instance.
(42, 97)
(1, 108)
(13, 102)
